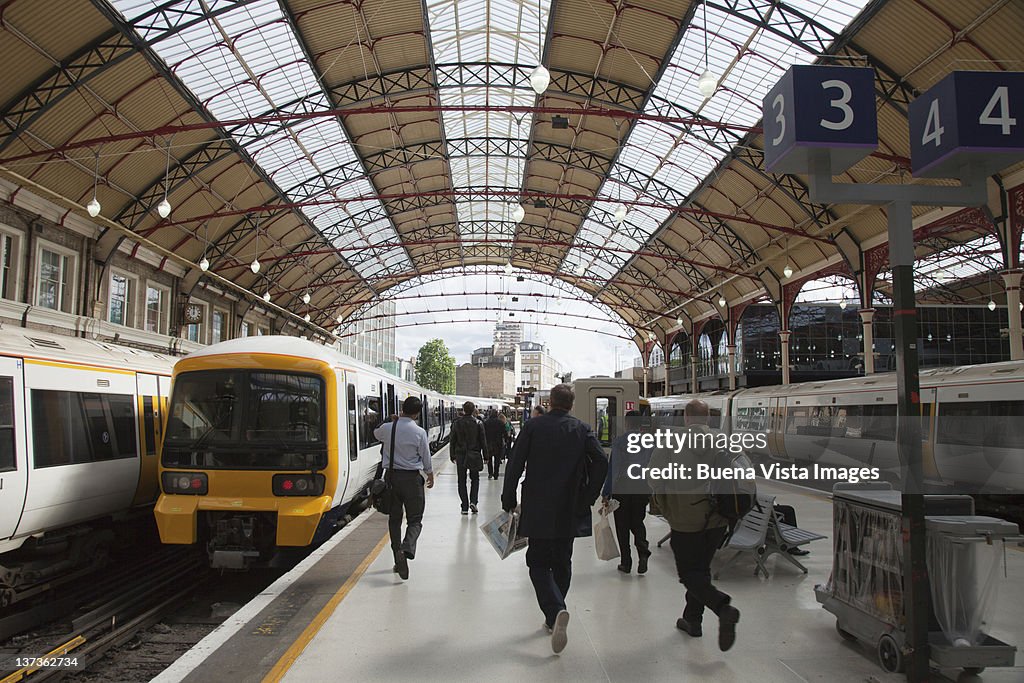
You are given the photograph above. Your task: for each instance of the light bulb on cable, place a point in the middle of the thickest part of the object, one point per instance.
(991, 305)
(540, 79)
(339, 319)
(679, 321)
(508, 268)
(787, 271)
(93, 207)
(305, 297)
(620, 214)
(204, 264)
(721, 301)
(518, 213)
(842, 305)
(707, 83)
(255, 266)
(306, 317)
(266, 296)
(164, 208)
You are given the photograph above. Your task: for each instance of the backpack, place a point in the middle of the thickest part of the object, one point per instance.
(732, 498)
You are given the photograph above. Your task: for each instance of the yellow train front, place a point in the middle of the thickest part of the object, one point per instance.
(262, 449)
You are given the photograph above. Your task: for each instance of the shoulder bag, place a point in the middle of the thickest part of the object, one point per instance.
(382, 490)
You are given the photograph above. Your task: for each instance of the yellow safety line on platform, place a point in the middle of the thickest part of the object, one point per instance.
(58, 651)
(288, 658)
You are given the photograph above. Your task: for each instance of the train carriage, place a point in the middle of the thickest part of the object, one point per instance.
(270, 440)
(80, 424)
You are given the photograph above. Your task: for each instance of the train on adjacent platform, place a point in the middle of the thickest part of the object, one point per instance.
(80, 425)
(972, 423)
(269, 444)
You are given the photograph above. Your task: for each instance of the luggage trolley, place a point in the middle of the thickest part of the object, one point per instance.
(865, 590)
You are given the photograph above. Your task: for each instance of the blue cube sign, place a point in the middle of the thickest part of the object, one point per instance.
(824, 111)
(969, 119)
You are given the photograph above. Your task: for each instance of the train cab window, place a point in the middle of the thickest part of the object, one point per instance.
(353, 444)
(285, 407)
(369, 418)
(605, 411)
(93, 427)
(7, 459)
(715, 418)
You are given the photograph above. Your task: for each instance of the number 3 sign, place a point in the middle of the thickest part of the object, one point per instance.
(968, 119)
(826, 111)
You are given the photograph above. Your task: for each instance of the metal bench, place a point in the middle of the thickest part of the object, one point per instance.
(751, 535)
(782, 537)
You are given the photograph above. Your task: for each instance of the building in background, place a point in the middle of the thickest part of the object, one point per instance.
(539, 368)
(491, 373)
(507, 336)
(371, 339)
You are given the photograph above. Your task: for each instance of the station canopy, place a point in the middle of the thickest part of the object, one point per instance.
(352, 150)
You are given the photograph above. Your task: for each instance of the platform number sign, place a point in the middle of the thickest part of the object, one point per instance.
(968, 119)
(826, 111)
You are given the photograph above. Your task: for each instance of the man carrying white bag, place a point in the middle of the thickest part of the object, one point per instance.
(604, 537)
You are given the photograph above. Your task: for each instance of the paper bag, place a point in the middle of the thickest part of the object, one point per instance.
(604, 537)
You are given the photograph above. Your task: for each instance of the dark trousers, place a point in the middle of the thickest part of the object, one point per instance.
(410, 499)
(474, 478)
(786, 514)
(629, 519)
(494, 458)
(550, 563)
(694, 551)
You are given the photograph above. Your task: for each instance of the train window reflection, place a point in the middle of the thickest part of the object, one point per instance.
(7, 458)
(284, 407)
(202, 407)
(369, 418)
(994, 424)
(70, 427)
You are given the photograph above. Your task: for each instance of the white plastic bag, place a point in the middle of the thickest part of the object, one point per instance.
(501, 531)
(604, 538)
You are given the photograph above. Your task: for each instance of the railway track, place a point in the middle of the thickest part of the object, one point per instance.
(116, 611)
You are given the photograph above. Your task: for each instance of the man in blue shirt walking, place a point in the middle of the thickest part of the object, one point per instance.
(412, 467)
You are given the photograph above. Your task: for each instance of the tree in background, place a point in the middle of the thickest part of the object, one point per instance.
(435, 367)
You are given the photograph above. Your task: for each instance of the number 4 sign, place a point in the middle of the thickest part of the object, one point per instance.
(968, 119)
(826, 111)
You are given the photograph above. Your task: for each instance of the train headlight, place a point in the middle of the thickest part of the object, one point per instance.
(298, 484)
(185, 483)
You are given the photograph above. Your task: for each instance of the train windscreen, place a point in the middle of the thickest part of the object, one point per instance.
(246, 419)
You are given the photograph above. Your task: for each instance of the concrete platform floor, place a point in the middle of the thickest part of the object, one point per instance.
(466, 615)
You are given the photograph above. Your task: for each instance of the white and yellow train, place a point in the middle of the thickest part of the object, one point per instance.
(80, 424)
(270, 441)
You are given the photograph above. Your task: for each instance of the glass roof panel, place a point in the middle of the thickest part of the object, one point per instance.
(679, 158)
(247, 61)
(494, 31)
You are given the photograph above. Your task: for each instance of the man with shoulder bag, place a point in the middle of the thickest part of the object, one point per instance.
(467, 452)
(405, 465)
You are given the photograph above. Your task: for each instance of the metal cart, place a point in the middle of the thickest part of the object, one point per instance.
(865, 590)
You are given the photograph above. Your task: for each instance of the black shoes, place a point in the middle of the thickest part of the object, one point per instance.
(727, 619)
(689, 628)
(401, 565)
(625, 568)
(472, 507)
(641, 565)
(798, 551)
(465, 512)
(409, 555)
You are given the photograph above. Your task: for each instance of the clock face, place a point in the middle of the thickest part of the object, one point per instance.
(193, 313)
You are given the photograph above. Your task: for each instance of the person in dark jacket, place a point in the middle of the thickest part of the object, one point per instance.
(565, 468)
(633, 496)
(697, 530)
(467, 452)
(494, 429)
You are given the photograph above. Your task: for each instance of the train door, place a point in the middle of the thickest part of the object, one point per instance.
(602, 403)
(928, 399)
(149, 420)
(777, 428)
(13, 460)
(392, 404)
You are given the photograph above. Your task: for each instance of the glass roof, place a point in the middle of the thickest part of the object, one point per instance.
(493, 31)
(667, 152)
(246, 62)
